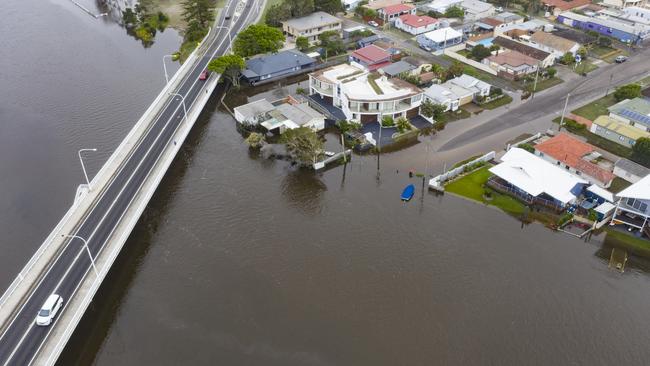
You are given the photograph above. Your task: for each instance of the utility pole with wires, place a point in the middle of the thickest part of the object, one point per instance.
(566, 103)
(610, 84)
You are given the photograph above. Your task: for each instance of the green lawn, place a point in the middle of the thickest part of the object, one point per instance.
(618, 184)
(596, 108)
(620, 239)
(543, 84)
(472, 186)
(506, 99)
(600, 51)
(585, 67)
(456, 115)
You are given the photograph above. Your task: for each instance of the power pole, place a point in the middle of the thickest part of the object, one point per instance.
(610, 84)
(535, 84)
(566, 102)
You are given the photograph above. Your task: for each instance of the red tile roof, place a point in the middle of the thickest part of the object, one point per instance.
(566, 5)
(398, 8)
(416, 21)
(371, 54)
(571, 151)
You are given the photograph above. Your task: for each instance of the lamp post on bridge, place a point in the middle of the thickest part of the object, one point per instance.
(83, 167)
(92, 261)
(165, 67)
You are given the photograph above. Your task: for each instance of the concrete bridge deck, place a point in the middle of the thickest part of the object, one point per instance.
(105, 214)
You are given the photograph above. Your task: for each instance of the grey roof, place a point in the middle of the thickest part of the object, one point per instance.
(507, 17)
(398, 68)
(632, 167)
(313, 20)
(476, 6)
(254, 109)
(299, 114)
(276, 62)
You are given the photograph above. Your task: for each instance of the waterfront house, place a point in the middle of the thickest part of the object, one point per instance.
(629, 170)
(440, 38)
(350, 91)
(553, 44)
(310, 26)
(626, 32)
(475, 9)
(511, 65)
(371, 57)
(534, 179)
(617, 131)
(576, 156)
(392, 12)
(555, 7)
(282, 64)
(478, 87)
(416, 24)
(633, 206)
(288, 114)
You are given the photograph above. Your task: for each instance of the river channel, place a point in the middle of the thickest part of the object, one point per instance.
(243, 261)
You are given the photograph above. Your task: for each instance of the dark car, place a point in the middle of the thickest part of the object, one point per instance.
(204, 75)
(228, 17)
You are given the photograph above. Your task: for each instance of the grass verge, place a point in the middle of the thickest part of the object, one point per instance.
(619, 184)
(596, 108)
(543, 84)
(505, 99)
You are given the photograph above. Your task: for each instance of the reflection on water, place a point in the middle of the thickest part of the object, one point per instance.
(304, 190)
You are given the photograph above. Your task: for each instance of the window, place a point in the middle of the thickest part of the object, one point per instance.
(621, 138)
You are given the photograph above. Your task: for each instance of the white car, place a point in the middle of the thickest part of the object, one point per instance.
(49, 310)
(373, 23)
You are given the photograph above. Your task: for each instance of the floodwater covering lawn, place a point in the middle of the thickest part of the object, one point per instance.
(636, 245)
(472, 187)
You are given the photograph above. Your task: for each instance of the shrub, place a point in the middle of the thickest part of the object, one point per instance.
(527, 147)
(387, 121)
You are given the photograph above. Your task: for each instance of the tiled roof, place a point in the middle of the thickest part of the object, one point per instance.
(522, 48)
(491, 21)
(571, 152)
(512, 58)
(371, 54)
(398, 8)
(416, 21)
(566, 5)
(552, 41)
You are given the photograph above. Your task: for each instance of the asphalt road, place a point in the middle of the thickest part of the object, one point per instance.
(548, 104)
(22, 339)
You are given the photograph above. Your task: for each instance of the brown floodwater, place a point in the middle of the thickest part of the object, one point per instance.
(243, 261)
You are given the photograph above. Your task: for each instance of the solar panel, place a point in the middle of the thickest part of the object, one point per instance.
(635, 116)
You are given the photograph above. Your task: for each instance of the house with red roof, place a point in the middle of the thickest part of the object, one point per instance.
(391, 12)
(576, 156)
(555, 7)
(416, 24)
(371, 57)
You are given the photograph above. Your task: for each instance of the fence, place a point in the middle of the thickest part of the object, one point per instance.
(438, 182)
(451, 52)
(493, 183)
(524, 141)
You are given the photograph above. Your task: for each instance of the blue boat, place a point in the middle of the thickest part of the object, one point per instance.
(408, 192)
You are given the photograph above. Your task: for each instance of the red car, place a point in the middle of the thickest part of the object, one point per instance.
(204, 75)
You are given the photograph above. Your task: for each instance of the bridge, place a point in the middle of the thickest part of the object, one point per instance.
(79, 252)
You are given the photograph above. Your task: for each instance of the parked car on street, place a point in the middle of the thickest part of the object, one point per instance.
(620, 59)
(372, 23)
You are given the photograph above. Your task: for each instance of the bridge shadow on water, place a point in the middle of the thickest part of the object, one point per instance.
(92, 330)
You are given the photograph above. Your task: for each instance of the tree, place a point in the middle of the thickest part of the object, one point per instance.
(345, 126)
(432, 110)
(302, 43)
(495, 48)
(567, 58)
(582, 52)
(229, 66)
(604, 41)
(629, 91)
(255, 140)
(551, 72)
(527, 147)
(256, 39)
(276, 14)
(300, 8)
(200, 11)
(328, 6)
(129, 18)
(454, 70)
(403, 124)
(437, 70)
(455, 12)
(332, 42)
(387, 121)
(641, 151)
(303, 144)
(479, 52)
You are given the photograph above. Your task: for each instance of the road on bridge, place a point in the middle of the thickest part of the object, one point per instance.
(22, 339)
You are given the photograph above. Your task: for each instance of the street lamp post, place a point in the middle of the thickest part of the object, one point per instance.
(92, 261)
(165, 68)
(83, 167)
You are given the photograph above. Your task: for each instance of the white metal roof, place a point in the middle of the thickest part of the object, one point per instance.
(535, 175)
(605, 208)
(442, 34)
(640, 189)
(601, 192)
